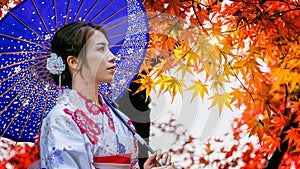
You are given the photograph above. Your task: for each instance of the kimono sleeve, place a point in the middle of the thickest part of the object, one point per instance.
(62, 144)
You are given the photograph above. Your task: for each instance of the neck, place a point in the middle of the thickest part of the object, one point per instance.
(90, 90)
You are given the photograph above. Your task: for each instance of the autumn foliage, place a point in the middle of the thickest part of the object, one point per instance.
(18, 156)
(254, 43)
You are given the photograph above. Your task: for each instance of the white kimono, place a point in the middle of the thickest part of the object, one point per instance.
(77, 133)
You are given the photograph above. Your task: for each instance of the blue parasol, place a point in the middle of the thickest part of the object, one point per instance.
(27, 92)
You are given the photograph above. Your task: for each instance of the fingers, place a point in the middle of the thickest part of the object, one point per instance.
(169, 160)
(164, 158)
(164, 167)
(151, 161)
(152, 157)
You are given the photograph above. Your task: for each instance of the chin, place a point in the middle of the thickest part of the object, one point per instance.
(107, 80)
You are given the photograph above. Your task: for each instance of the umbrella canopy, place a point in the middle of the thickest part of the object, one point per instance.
(27, 92)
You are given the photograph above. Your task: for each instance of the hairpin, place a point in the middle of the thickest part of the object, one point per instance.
(56, 66)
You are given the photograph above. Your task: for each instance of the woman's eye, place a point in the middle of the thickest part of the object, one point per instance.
(102, 49)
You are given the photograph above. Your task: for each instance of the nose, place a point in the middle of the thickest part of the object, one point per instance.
(111, 57)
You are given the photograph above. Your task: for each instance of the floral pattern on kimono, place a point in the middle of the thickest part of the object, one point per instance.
(77, 131)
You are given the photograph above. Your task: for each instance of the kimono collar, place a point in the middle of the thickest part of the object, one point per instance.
(76, 99)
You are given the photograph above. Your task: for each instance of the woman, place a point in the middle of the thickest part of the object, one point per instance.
(81, 131)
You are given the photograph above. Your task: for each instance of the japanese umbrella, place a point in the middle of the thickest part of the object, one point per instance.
(27, 92)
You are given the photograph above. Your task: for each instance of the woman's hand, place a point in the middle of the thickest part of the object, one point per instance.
(152, 161)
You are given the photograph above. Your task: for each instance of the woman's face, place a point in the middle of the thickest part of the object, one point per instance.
(99, 66)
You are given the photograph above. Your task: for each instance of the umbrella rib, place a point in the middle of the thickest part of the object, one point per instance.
(43, 21)
(132, 57)
(24, 40)
(18, 81)
(25, 87)
(124, 87)
(67, 12)
(24, 52)
(21, 62)
(125, 20)
(112, 100)
(127, 33)
(31, 110)
(128, 44)
(29, 27)
(16, 74)
(11, 121)
(127, 71)
(55, 14)
(102, 10)
(43, 111)
(90, 10)
(115, 13)
(78, 10)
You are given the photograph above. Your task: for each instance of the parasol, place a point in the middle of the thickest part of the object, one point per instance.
(27, 92)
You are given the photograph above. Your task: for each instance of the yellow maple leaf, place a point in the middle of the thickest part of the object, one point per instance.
(228, 70)
(221, 100)
(170, 84)
(146, 84)
(184, 68)
(218, 81)
(199, 89)
(295, 78)
(175, 86)
(161, 80)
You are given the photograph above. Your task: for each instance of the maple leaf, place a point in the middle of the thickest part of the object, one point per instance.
(170, 84)
(238, 96)
(164, 66)
(168, 43)
(221, 100)
(256, 127)
(202, 160)
(146, 84)
(279, 122)
(295, 79)
(175, 86)
(184, 68)
(218, 81)
(218, 140)
(175, 29)
(153, 5)
(281, 75)
(174, 7)
(228, 70)
(208, 150)
(199, 89)
(270, 143)
(188, 36)
(293, 135)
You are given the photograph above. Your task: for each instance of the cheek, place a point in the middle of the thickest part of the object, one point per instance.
(96, 63)
(100, 67)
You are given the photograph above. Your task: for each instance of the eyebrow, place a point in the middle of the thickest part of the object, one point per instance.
(101, 43)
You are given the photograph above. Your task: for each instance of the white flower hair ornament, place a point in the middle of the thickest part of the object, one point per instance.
(56, 66)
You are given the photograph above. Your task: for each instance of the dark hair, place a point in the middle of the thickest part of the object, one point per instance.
(70, 41)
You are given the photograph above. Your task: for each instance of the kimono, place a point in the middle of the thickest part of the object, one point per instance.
(78, 133)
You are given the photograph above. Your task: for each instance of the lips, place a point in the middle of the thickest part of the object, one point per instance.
(112, 68)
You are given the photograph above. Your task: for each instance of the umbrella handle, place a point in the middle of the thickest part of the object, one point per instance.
(143, 142)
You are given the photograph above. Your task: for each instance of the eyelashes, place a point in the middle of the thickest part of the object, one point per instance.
(102, 49)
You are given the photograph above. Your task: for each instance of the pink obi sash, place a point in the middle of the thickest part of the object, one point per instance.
(114, 161)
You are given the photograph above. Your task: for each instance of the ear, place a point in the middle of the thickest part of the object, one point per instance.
(73, 62)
